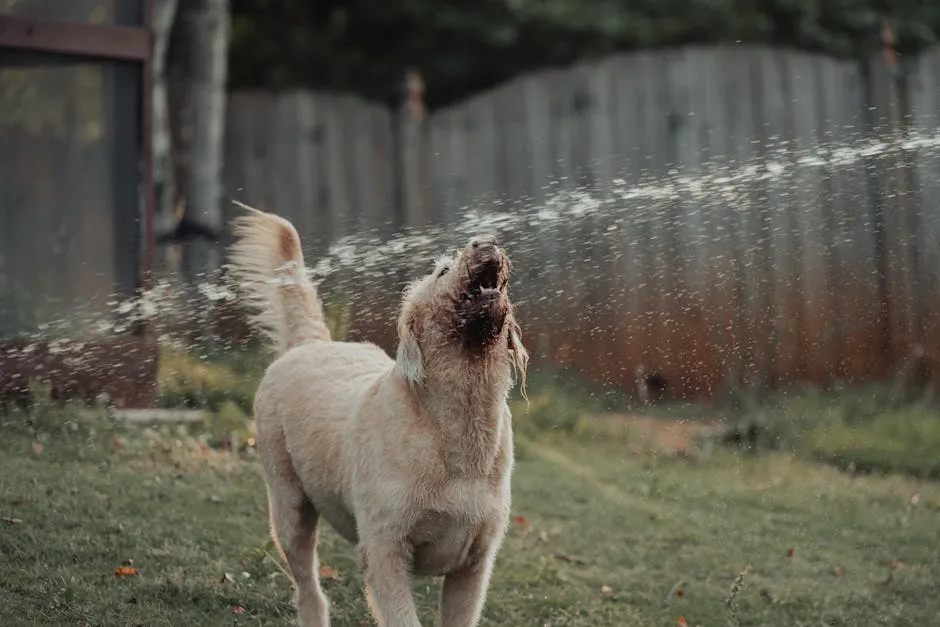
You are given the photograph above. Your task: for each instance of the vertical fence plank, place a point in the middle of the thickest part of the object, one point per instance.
(737, 106)
(606, 293)
(816, 360)
(306, 135)
(419, 153)
(340, 203)
(233, 165)
(284, 182)
(866, 331)
(627, 112)
(777, 216)
(263, 151)
(892, 215)
(382, 159)
(829, 133)
(441, 182)
(654, 92)
(714, 271)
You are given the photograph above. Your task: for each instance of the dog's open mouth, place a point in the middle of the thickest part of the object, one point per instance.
(483, 304)
(485, 276)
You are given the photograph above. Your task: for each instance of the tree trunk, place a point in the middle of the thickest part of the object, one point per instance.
(164, 184)
(198, 71)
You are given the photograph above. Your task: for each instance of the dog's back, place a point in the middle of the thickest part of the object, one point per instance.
(302, 409)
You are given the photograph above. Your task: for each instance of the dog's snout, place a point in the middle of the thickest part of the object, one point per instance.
(485, 242)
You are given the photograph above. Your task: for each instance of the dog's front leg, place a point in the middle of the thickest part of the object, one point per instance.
(464, 592)
(388, 584)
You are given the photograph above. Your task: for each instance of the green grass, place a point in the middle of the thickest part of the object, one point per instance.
(612, 537)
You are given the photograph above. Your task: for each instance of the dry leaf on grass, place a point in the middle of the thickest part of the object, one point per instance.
(38, 448)
(238, 609)
(522, 523)
(125, 571)
(328, 573)
(682, 622)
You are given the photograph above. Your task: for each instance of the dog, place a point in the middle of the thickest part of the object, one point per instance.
(409, 459)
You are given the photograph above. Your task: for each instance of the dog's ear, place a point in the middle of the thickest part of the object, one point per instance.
(409, 360)
(518, 355)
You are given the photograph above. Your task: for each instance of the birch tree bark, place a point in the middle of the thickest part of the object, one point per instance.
(164, 184)
(198, 58)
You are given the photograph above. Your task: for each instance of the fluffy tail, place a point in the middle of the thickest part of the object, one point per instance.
(268, 265)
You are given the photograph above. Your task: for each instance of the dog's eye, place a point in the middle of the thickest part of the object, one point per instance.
(443, 271)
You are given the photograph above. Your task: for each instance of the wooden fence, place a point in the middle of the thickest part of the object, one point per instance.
(737, 216)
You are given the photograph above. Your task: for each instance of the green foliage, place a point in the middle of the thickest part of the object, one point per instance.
(227, 422)
(590, 396)
(338, 313)
(859, 430)
(549, 413)
(463, 46)
(906, 440)
(186, 380)
(561, 405)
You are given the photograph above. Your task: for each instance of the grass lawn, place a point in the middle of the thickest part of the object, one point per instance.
(603, 536)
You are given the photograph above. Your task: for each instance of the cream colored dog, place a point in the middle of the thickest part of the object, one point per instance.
(410, 459)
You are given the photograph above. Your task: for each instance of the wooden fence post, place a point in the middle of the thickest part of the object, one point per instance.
(412, 155)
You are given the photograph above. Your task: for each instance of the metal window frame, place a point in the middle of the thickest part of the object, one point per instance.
(103, 43)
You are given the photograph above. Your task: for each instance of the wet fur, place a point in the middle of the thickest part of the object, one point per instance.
(410, 459)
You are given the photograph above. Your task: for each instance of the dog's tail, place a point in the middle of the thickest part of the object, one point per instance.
(268, 265)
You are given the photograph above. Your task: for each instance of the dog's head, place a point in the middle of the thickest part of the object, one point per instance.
(460, 314)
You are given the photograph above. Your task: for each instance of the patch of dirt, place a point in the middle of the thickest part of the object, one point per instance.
(668, 436)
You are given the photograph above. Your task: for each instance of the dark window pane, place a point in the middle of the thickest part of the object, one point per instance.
(69, 201)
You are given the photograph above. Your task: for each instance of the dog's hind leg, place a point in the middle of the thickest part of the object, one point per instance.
(294, 528)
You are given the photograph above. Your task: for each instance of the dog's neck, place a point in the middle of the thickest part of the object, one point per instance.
(466, 404)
